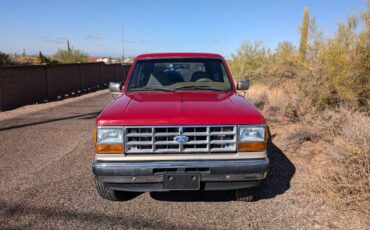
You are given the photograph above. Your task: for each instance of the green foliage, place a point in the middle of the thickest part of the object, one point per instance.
(304, 34)
(4, 59)
(70, 56)
(342, 65)
(249, 60)
(336, 69)
(253, 61)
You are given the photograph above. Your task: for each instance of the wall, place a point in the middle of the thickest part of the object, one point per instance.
(23, 85)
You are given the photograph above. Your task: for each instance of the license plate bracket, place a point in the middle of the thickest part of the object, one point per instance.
(182, 181)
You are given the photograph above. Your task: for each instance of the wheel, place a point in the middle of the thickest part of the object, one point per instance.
(244, 194)
(112, 195)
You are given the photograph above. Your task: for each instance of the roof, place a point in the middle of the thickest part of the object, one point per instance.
(179, 55)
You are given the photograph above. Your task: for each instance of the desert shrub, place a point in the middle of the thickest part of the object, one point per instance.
(348, 183)
(281, 103)
(335, 71)
(329, 89)
(344, 69)
(4, 59)
(70, 56)
(249, 61)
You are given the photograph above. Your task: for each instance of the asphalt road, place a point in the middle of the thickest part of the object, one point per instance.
(46, 182)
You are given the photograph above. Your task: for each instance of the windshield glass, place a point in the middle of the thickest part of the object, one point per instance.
(179, 74)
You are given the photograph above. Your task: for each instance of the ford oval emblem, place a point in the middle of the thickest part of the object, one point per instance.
(181, 139)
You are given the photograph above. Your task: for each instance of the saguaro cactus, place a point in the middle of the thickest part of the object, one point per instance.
(304, 34)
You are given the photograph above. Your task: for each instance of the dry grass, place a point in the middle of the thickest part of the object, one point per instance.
(346, 181)
(282, 102)
(299, 136)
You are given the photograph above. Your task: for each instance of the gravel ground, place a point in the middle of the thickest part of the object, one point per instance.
(47, 183)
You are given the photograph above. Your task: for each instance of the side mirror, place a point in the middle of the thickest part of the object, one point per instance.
(243, 85)
(115, 88)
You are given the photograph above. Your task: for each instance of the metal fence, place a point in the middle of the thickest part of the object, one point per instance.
(24, 85)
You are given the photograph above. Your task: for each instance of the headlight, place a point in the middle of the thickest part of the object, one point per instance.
(252, 138)
(109, 136)
(108, 140)
(251, 134)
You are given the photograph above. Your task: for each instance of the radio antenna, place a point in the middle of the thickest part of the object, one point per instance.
(123, 44)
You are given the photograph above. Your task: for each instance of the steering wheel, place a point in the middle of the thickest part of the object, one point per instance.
(204, 80)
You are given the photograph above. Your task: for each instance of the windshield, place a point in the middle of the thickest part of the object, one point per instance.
(179, 74)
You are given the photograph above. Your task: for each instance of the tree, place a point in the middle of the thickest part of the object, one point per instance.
(4, 59)
(304, 34)
(249, 60)
(285, 49)
(70, 56)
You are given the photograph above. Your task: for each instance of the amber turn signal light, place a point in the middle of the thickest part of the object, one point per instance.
(109, 148)
(252, 146)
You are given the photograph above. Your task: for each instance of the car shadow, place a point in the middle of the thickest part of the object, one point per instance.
(278, 179)
(277, 182)
(42, 217)
(85, 116)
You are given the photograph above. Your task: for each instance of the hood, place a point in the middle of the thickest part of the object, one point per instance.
(179, 108)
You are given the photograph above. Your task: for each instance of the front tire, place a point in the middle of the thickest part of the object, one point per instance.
(112, 195)
(245, 195)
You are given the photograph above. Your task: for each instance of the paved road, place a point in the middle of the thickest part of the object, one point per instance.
(46, 183)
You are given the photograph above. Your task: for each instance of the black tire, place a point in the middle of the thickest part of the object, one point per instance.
(245, 195)
(112, 195)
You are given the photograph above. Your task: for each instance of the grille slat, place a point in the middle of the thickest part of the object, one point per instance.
(201, 139)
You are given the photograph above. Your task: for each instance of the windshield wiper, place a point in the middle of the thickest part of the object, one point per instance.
(201, 87)
(150, 89)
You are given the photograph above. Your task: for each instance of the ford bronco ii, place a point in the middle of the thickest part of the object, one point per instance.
(178, 123)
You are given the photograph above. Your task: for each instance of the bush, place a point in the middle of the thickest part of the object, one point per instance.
(70, 56)
(328, 93)
(348, 184)
(336, 69)
(4, 59)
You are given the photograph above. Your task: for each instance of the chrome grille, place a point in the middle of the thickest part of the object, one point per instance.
(202, 139)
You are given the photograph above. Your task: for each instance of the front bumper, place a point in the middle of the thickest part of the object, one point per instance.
(149, 176)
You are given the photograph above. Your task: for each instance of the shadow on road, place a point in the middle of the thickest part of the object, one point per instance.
(50, 217)
(80, 116)
(278, 179)
(277, 182)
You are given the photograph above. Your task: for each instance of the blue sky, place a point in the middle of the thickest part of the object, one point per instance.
(217, 26)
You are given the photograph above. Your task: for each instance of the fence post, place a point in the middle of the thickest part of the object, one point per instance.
(101, 84)
(79, 75)
(1, 97)
(46, 82)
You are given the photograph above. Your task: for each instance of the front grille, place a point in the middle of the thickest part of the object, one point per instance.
(201, 139)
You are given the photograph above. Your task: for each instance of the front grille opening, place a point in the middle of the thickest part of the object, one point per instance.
(216, 129)
(196, 146)
(222, 138)
(195, 129)
(138, 130)
(138, 147)
(228, 129)
(139, 139)
(222, 146)
(167, 130)
(164, 138)
(197, 138)
(222, 129)
(167, 147)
